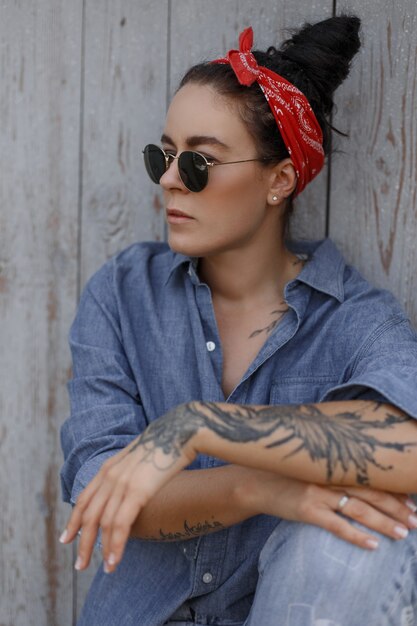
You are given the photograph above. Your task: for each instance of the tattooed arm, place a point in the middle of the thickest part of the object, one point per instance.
(194, 503)
(339, 443)
(345, 445)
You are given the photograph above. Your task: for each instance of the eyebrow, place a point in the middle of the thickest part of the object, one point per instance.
(197, 140)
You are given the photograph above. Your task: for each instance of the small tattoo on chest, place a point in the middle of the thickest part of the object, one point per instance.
(278, 315)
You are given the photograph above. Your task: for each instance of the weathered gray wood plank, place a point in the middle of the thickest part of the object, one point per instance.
(127, 68)
(374, 184)
(124, 109)
(210, 29)
(40, 57)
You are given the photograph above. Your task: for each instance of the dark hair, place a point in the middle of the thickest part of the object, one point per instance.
(315, 59)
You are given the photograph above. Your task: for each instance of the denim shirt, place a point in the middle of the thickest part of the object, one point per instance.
(145, 339)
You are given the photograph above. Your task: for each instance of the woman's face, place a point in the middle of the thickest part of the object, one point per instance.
(232, 208)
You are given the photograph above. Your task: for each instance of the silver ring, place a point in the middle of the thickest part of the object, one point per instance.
(343, 502)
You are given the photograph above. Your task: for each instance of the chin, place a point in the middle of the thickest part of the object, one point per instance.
(188, 246)
(207, 243)
(187, 249)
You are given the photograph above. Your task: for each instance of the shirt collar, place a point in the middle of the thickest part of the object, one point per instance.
(180, 260)
(325, 267)
(323, 271)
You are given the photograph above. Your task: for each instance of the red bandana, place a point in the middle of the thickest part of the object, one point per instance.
(296, 121)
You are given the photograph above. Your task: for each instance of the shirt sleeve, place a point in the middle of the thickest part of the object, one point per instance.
(383, 369)
(106, 412)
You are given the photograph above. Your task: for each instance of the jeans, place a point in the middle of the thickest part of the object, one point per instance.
(309, 577)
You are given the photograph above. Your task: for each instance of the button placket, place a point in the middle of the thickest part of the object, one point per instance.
(210, 330)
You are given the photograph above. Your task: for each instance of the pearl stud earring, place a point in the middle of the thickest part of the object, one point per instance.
(274, 198)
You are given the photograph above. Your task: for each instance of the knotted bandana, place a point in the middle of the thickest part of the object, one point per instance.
(293, 114)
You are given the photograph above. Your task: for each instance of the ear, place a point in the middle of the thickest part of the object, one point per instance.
(283, 181)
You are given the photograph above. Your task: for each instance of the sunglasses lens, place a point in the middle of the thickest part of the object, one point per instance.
(154, 162)
(193, 170)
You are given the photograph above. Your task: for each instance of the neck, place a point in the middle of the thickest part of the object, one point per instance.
(251, 274)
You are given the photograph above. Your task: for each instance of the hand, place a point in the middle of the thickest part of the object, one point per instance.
(125, 484)
(389, 514)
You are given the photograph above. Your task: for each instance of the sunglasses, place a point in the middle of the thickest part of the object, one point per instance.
(193, 167)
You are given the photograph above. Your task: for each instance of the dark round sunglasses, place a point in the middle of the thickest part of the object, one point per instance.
(193, 167)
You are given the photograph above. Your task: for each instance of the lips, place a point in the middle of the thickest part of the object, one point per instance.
(178, 213)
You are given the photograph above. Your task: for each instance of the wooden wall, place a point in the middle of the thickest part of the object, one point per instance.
(84, 86)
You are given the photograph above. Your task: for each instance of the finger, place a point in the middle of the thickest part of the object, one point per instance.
(393, 506)
(342, 528)
(86, 545)
(89, 510)
(90, 525)
(128, 511)
(115, 478)
(107, 518)
(367, 515)
(379, 498)
(410, 504)
(74, 522)
(117, 483)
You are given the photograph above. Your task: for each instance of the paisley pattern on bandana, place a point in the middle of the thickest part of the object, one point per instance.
(293, 114)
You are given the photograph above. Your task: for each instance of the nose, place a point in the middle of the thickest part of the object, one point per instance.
(171, 179)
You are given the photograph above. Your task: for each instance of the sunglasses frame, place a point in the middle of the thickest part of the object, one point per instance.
(170, 158)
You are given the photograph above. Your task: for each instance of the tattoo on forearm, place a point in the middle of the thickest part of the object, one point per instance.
(344, 441)
(169, 434)
(268, 329)
(190, 531)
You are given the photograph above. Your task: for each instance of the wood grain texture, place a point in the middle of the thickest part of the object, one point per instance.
(124, 105)
(374, 184)
(123, 110)
(75, 113)
(39, 116)
(212, 28)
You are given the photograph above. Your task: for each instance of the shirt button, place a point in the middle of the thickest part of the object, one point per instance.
(207, 577)
(210, 345)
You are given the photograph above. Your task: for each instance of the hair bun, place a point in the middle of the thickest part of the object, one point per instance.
(324, 52)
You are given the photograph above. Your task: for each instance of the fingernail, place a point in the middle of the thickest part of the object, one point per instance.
(372, 543)
(112, 559)
(106, 568)
(412, 520)
(64, 536)
(401, 532)
(78, 563)
(411, 505)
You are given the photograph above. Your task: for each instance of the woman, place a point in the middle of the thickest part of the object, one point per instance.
(231, 343)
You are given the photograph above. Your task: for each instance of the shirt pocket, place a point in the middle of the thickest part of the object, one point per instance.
(300, 389)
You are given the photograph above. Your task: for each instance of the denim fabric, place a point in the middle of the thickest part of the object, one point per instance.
(309, 577)
(142, 342)
(334, 584)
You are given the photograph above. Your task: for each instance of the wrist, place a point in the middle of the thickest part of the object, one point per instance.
(248, 491)
(189, 426)
(194, 430)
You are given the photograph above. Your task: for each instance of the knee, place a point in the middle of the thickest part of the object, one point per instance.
(309, 575)
(302, 550)
(305, 551)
